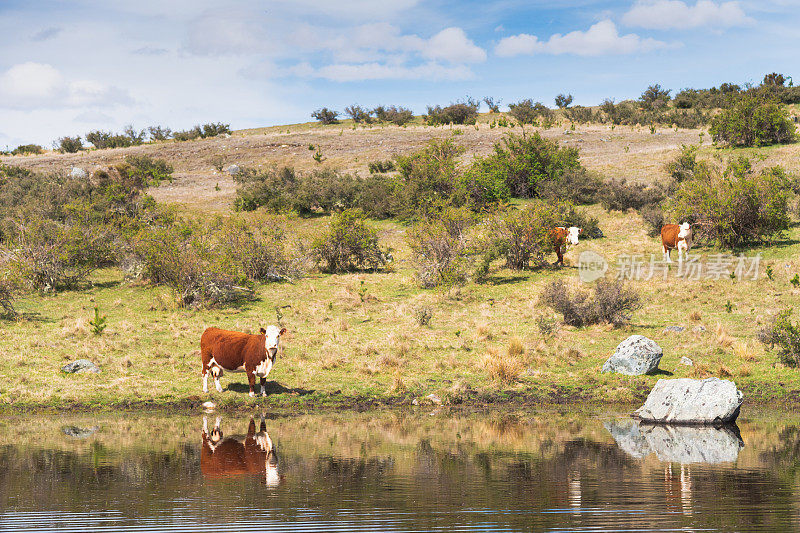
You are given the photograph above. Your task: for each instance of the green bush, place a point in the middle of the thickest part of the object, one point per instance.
(492, 104)
(563, 100)
(575, 185)
(521, 236)
(106, 139)
(147, 170)
(525, 161)
(349, 244)
(69, 145)
(619, 195)
(579, 114)
(213, 129)
(326, 116)
(440, 248)
(683, 166)
(609, 302)
(655, 97)
(528, 112)
(784, 334)
(358, 114)
(429, 178)
(734, 206)
(395, 114)
(158, 133)
(568, 215)
(465, 112)
(381, 167)
(26, 149)
(754, 119)
(9, 288)
(188, 135)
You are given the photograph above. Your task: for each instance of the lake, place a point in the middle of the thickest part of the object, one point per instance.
(421, 470)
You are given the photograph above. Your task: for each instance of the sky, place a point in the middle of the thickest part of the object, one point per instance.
(69, 67)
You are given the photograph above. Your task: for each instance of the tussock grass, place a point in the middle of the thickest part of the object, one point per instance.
(503, 368)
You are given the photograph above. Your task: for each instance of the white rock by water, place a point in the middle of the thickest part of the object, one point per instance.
(676, 444)
(692, 401)
(635, 356)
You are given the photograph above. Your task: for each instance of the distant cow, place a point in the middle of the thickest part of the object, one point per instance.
(676, 237)
(254, 454)
(234, 351)
(563, 238)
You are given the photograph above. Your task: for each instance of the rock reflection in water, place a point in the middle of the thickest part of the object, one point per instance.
(254, 454)
(677, 444)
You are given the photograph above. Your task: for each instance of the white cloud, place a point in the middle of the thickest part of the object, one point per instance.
(222, 32)
(344, 72)
(600, 39)
(38, 85)
(453, 45)
(669, 14)
(352, 9)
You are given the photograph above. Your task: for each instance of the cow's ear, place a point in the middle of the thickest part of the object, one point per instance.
(580, 230)
(283, 330)
(263, 331)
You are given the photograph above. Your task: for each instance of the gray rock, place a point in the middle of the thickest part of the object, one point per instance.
(81, 365)
(77, 172)
(79, 432)
(692, 401)
(699, 329)
(635, 356)
(686, 361)
(434, 399)
(233, 170)
(677, 444)
(674, 329)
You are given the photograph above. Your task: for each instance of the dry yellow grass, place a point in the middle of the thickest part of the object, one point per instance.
(503, 368)
(515, 347)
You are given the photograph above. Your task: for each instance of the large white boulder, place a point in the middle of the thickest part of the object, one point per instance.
(692, 401)
(635, 356)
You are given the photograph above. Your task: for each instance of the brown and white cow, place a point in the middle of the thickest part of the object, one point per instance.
(562, 238)
(676, 237)
(254, 454)
(234, 351)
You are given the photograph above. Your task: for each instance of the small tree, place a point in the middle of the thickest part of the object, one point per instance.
(69, 145)
(655, 97)
(563, 100)
(494, 106)
(358, 114)
(158, 133)
(753, 119)
(326, 116)
(349, 244)
(785, 334)
(528, 112)
(774, 79)
(439, 248)
(395, 114)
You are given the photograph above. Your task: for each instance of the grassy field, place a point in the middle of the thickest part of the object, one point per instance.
(353, 340)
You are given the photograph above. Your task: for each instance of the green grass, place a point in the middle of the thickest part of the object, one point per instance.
(343, 349)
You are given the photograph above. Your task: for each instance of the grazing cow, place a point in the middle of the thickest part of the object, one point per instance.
(677, 237)
(255, 454)
(234, 351)
(562, 238)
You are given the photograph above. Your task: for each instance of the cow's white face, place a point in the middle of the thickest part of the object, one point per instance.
(685, 228)
(572, 235)
(272, 339)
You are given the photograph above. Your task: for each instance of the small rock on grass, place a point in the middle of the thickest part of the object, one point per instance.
(79, 366)
(635, 356)
(686, 361)
(674, 329)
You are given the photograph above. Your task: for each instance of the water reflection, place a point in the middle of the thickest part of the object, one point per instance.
(253, 454)
(677, 444)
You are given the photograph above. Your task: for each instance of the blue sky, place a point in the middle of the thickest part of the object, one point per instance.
(68, 67)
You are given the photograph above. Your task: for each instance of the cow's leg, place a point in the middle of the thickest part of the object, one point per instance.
(217, 373)
(263, 386)
(251, 379)
(205, 379)
(667, 258)
(560, 255)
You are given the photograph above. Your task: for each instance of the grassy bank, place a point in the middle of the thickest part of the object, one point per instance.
(354, 340)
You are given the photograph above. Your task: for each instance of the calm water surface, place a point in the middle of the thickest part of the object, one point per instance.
(395, 471)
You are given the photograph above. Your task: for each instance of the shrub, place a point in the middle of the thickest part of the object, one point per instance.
(439, 248)
(25, 149)
(394, 114)
(465, 112)
(609, 302)
(49, 256)
(503, 368)
(525, 161)
(147, 170)
(683, 166)
(521, 236)
(563, 100)
(188, 135)
(575, 185)
(69, 145)
(213, 129)
(528, 112)
(136, 137)
(754, 119)
(326, 116)
(358, 113)
(568, 215)
(348, 244)
(9, 288)
(106, 139)
(157, 133)
(579, 114)
(619, 195)
(655, 97)
(785, 334)
(381, 167)
(492, 104)
(734, 206)
(429, 178)
(655, 219)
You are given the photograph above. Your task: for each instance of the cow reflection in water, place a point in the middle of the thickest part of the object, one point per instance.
(254, 454)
